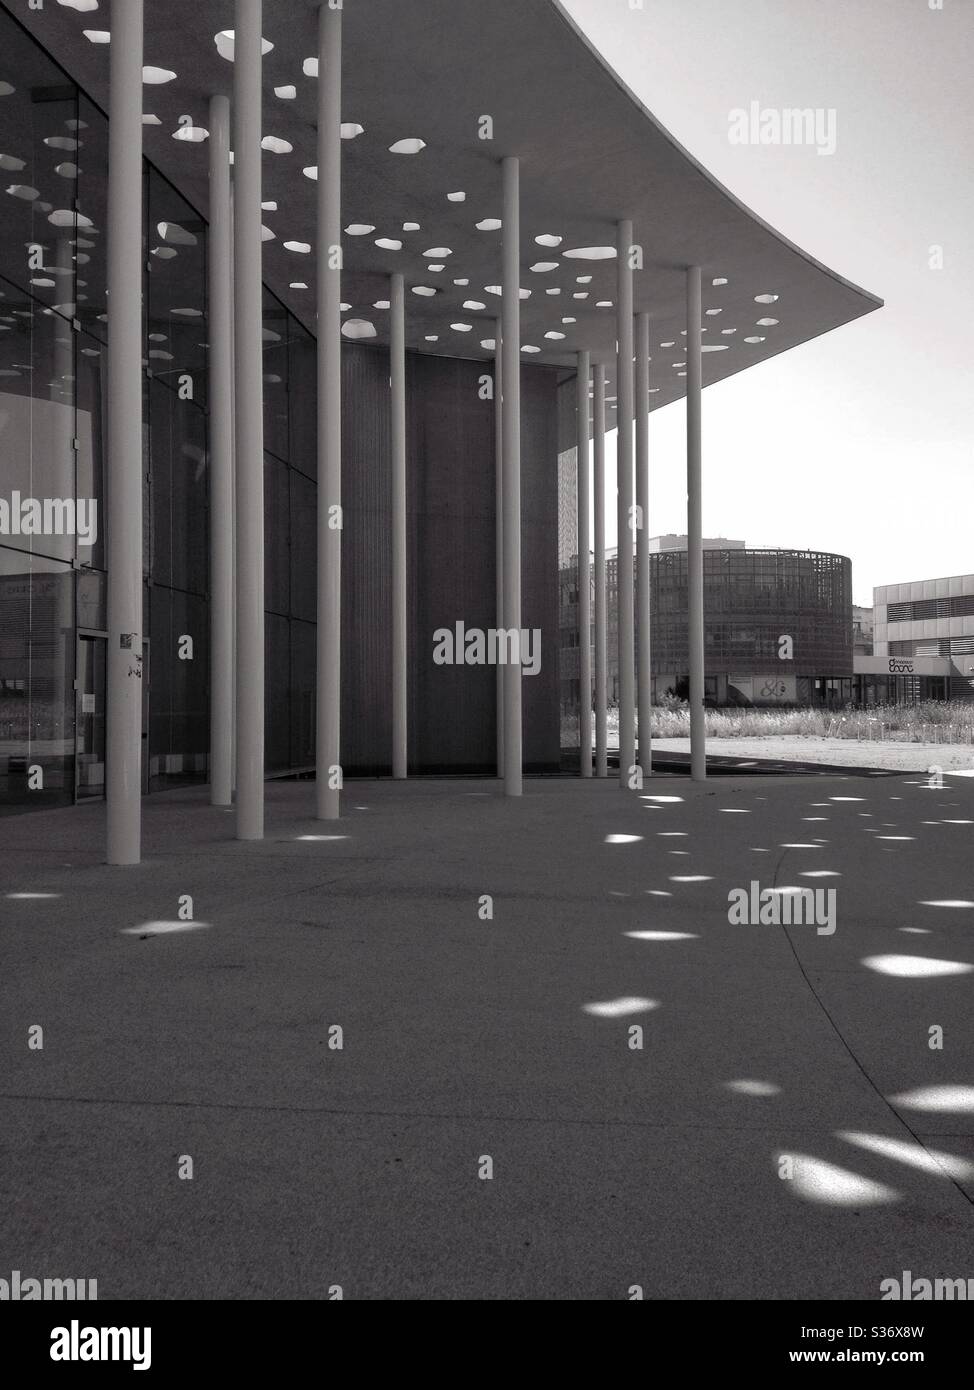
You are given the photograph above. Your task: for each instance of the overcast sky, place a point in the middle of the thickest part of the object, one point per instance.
(859, 442)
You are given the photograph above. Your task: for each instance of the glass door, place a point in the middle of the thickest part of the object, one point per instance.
(89, 758)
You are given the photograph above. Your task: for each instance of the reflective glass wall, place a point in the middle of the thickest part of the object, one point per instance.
(47, 457)
(53, 411)
(53, 372)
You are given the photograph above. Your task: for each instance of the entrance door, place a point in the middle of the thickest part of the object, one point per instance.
(89, 757)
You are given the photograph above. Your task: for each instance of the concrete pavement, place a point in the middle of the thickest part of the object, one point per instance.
(771, 1139)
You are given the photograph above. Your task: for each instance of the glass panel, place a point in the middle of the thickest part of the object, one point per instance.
(92, 599)
(277, 731)
(276, 324)
(304, 546)
(302, 395)
(90, 757)
(277, 584)
(302, 694)
(92, 191)
(178, 684)
(91, 364)
(37, 427)
(179, 491)
(176, 293)
(37, 669)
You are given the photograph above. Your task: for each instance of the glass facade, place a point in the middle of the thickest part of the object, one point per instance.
(53, 412)
(54, 155)
(569, 673)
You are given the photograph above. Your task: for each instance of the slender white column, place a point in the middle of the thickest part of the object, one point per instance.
(511, 320)
(123, 773)
(397, 353)
(584, 456)
(698, 751)
(233, 527)
(329, 777)
(499, 523)
(220, 394)
(601, 605)
(644, 679)
(249, 408)
(626, 574)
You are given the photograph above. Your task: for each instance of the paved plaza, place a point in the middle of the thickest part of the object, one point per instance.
(397, 1052)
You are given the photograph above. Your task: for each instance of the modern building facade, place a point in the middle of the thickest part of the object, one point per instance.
(924, 639)
(293, 499)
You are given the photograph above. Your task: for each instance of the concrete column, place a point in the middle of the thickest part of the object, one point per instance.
(584, 454)
(626, 574)
(220, 393)
(644, 679)
(601, 607)
(249, 410)
(397, 353)
(233, 529)
(511, 321)
(499, 524)
(123, 773)
(698, 733)
(329, 776)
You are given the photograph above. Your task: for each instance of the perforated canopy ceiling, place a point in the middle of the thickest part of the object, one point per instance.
(422, 189)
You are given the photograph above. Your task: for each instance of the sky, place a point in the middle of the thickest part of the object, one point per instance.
(861, 442)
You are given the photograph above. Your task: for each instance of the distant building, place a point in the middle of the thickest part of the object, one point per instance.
(862, 631)
(758, 605)
(674, 542)
(924, 638)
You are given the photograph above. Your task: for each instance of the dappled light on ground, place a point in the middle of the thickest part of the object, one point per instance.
(818, 1181)
(937, 1100)
(940, 1165)
(620, 1008)
(915, 967)
(753, 1088)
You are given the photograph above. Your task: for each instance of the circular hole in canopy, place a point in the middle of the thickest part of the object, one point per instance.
(358, 328)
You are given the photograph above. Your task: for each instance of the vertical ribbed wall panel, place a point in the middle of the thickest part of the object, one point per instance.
(366, 729)
(451, 563)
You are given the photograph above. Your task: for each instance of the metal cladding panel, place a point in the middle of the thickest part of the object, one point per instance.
(366, 732)
(451, 561)
(539, 564)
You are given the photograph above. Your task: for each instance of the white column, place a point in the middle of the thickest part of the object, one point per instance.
(397, 353)
(233, 528)
(329, 777)
(499, 524)
(123, 773)
(698, 733)
(626, 573)
(584, 455)
(601, 606)
(220, 394)
(511, 321)
(249, 409)
(644, 679)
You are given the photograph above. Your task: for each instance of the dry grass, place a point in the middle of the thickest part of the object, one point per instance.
(930, 722)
